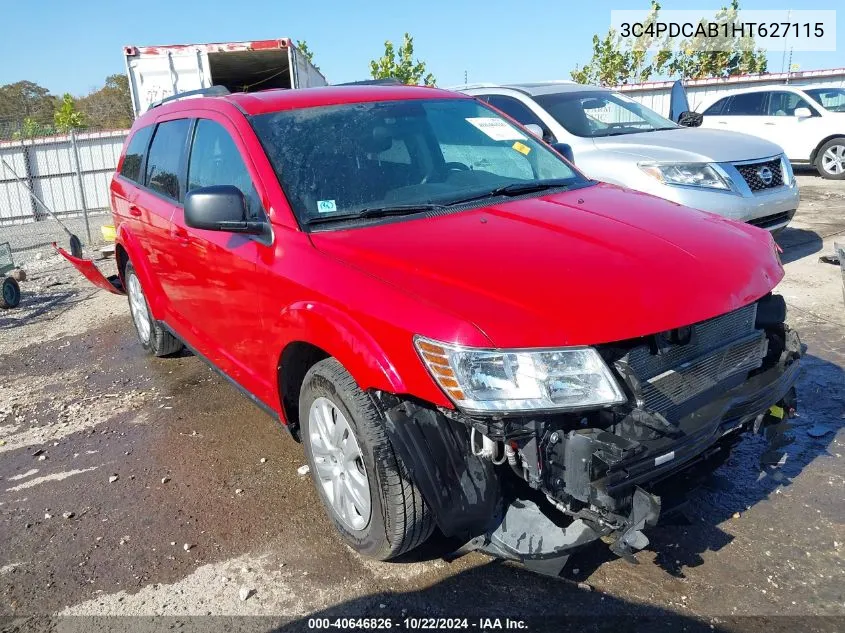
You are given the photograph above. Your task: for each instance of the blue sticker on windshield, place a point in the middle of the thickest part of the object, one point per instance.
(326, 206)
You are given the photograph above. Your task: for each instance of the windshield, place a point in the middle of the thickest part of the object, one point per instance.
(832, 99)
(597, 113)
(400, 157)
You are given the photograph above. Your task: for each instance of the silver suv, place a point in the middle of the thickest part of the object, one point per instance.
(615, 139)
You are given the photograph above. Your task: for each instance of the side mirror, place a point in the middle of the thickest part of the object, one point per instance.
(802, 113)
(690, 119)
(219, 208)
(565, 150)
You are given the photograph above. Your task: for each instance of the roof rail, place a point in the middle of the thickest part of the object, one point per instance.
(391, 81)
(213, 91)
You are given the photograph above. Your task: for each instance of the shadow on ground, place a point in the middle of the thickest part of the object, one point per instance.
(797, 243)
(41, 306)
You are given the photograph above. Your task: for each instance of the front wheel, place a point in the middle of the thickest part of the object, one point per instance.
(830, 161)
(362, 482)
(154, 338)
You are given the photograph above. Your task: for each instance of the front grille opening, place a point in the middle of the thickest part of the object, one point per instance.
(772, 220)
(763, 175)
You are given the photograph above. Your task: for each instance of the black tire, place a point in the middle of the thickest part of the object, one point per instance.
(838, 142)
(160, 342)
(400, 520)
(10, 297)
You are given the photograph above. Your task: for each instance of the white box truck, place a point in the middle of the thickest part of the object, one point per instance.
(157, 72)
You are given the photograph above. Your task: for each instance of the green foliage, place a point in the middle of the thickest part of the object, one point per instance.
(700, 57)
(616, 63)
(32, 128)
(24, 100)
(110, 107)
(401, 64)
(302, 45)
(67, 117)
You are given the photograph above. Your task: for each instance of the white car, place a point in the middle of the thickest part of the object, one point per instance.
(808, 122)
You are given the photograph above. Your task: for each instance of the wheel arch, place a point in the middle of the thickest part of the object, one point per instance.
(128, 248)
(814, 154)
(316, 331)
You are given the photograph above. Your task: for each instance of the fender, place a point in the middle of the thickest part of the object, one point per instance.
(335, 332)
(135, 253)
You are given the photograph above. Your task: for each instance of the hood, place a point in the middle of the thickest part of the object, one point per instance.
(690, 145)
(593, 265)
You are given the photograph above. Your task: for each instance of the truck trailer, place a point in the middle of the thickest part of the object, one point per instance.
(158, 72)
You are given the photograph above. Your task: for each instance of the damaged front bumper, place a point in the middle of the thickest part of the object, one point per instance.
(593, 476)
(90, 271)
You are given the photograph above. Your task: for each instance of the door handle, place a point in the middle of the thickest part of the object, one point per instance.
(134, 211)
(180, 234)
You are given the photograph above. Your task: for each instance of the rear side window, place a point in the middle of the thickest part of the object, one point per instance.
(215, 160)
(716, 108)
(164, 160)
(783, 103)
(748, 104)
(515, 109)
(131, 167)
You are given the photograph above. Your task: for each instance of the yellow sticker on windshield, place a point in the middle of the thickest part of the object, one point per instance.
(521, 148)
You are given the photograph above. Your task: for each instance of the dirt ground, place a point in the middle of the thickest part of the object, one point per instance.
(138, 486)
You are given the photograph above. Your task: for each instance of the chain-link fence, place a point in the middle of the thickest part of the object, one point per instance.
(54, 184)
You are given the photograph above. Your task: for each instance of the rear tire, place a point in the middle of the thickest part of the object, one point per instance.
(399, 519)
(155, 340)
(830, 159)
(10, 293)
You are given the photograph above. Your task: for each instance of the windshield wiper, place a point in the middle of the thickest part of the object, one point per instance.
(517, 188)
(376, 212)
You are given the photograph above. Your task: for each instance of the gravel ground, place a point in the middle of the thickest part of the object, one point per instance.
(150, 487)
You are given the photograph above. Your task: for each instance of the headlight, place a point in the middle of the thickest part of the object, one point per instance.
(786, 169)
(485, 380)
(689, 174)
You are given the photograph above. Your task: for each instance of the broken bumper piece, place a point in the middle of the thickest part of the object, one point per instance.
(90, 271)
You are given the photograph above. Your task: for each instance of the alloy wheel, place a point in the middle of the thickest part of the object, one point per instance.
(138, 308)
(339, 464)
(833, 160)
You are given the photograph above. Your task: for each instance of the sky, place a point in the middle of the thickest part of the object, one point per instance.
(72, 46)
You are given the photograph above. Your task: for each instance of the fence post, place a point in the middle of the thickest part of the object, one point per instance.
(76, 168)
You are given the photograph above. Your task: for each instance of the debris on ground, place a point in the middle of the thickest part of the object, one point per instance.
(164, 480)
(245, 593)
(303, 470)
(818, 430)
(18, 274)
(68, 515)
(113, 479)
(263, 460)
(187, 547)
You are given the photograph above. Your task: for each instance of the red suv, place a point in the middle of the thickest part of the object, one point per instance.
(462, 330)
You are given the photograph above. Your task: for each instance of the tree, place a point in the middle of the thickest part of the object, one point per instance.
(401, 64)
(302, 45)
(22, 100)
(616, 61)
(67, 117)
(110, 107)
(719, 57)
(613, 63)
